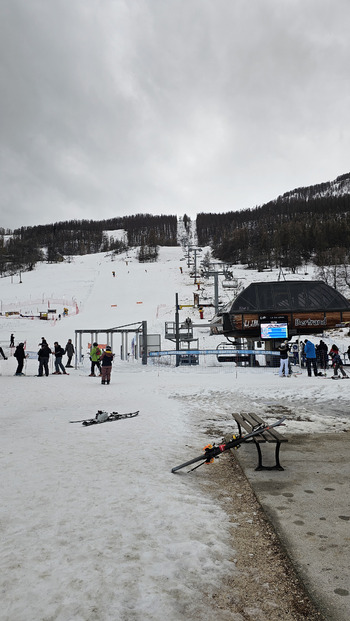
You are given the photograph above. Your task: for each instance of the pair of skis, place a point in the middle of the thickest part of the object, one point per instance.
(211, 452)
(105, 417)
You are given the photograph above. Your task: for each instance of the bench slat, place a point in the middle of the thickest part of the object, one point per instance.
(248, 422)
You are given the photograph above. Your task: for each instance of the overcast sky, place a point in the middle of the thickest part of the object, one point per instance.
(113, 107)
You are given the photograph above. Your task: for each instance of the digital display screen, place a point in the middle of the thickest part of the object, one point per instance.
(274, 330)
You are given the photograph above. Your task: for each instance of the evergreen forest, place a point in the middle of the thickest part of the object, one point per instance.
(310, 224)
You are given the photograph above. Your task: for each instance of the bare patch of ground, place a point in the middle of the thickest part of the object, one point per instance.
(266, 587)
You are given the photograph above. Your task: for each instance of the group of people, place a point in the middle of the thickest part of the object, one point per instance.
(312, 355)
(44, 356)
(102, 359)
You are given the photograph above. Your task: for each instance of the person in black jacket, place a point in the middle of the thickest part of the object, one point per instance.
(2, 353)
(21, 356)
(59, 351)
(284, 350)
(106, 365)
(43, 357)
(322, 351)
(69, 351)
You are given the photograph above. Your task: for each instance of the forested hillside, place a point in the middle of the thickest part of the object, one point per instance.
(23, 247)
(306, 224)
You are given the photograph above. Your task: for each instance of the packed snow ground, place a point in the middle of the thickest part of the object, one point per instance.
(94, 525)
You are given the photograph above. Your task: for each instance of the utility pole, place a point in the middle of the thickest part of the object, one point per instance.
(177, 328)
(144, 342)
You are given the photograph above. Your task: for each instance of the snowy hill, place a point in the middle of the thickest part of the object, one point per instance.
(94, 525)
(339, 187)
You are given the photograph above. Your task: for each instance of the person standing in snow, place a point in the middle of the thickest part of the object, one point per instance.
(310, 353)
(333, 350)
(106, 365)
(337, 364)
(69, 350)
(284, 350)
(95, 355)
(323, 353)
(43, 357)
(59, 351)
(20, 355)
(12, 340)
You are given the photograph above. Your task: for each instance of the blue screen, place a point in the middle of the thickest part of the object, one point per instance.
(274, 330)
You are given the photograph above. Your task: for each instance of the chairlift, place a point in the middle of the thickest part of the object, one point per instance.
(230, 284)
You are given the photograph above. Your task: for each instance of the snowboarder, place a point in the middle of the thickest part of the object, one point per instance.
(69, 350)
(338, 364)
(59, 351)
(106, 362)
(43, 357)
(95, 355)
(21, 356)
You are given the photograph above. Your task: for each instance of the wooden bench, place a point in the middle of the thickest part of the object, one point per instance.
(248, 422)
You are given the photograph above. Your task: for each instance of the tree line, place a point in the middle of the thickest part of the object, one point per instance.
(288, 232)
(22, 248)
(310, 224)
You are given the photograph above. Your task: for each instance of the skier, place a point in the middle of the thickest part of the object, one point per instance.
(12, 340)
(310, 353)
(283, 349)
(59, 351)
(95, 355)
(338, 364)
(43, 357)
(21, 356)
(69, 350)
(106, 361)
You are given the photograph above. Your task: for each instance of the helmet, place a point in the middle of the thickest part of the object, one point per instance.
(108, 348)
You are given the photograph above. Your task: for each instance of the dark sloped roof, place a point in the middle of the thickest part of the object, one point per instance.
(289, 296)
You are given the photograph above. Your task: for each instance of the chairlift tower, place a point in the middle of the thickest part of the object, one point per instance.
(182, 335)
(216, 273)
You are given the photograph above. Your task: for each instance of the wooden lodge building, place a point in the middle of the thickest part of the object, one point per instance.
(306, 306)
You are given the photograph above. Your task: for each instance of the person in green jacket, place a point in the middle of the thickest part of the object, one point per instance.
(95, 355)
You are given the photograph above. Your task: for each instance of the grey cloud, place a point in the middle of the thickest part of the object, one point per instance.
(168, 107)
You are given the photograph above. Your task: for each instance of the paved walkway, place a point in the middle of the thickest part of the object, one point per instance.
(309, 506)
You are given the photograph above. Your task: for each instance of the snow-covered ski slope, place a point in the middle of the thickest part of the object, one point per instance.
(94, 525)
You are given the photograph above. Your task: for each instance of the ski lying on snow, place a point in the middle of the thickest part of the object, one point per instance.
(212, 452)
(104, 417)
